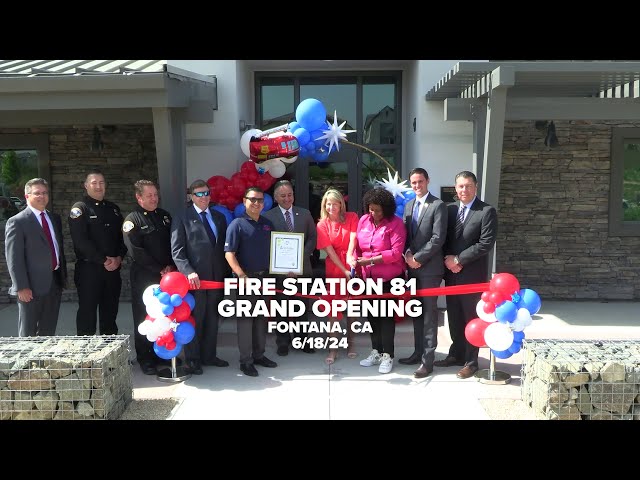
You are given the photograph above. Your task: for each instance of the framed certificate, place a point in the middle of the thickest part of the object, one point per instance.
(286, 254)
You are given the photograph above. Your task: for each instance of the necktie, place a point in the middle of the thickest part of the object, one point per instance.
(207, 227)
(414, 219)
(287, 218)
(460, 221)
(47, 233)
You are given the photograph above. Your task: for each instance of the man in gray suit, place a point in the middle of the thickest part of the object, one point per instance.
(288, 218)
(36, 262)
(425, 219)
(471, 235)
(197, 246)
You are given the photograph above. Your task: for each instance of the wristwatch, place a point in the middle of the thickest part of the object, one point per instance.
(455, 260)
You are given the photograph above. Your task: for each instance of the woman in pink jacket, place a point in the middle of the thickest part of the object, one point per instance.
(380, 243)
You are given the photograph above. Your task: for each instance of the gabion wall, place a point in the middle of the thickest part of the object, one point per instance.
(582, 379)
(64, 378)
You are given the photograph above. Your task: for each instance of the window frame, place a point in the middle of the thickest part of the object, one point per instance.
(618, 226)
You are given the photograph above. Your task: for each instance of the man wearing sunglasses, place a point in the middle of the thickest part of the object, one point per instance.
(197, 247)
(247, 251)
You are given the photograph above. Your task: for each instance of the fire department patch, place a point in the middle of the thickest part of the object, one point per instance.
(127, 226)
(75, 212)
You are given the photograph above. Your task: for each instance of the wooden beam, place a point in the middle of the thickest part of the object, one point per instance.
(571, 108)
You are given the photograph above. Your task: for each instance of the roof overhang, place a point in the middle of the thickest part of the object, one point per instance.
(110, 91)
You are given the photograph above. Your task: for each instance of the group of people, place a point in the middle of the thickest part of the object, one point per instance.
(427, 244)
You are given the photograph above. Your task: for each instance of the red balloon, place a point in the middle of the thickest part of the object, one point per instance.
(174, 283)
(497, 298)
(474, 332)
(488, 307)
(148, 317)
(504, 283)
(192, 321)
(181, 312)
(485, 296)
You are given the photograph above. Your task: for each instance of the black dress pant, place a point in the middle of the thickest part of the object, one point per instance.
(98, 291)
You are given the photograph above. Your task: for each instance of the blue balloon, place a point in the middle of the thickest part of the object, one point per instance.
(239, 210)
(176, 300)
(165, 354)
(311, 114)
(515, 347)
(228, 215)
(268, 202)
(530, 300)
(409, 195)
(191, 301)
(506, 312)
(503, 354)
(164, 298)
(399, 200)
(400, 211)
(303, 137)
(184, 333)
(518, 337)
(293, 126)
(167, 309)
(323, 155)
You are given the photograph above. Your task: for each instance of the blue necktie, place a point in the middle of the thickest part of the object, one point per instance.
(207, 227)
(460, 221)
(414, 219)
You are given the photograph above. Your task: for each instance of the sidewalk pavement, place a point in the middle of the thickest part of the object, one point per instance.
(304, 387)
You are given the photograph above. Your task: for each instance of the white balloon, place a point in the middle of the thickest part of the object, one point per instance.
(498, 336)
(288, 160)
(487, 317)
(147, 295)
(162, 325)
(246, 137)
(154, 308)
(277, 170)
(523, 319)
(145, 327)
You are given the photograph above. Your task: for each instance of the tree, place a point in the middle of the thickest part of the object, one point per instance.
(10, 168)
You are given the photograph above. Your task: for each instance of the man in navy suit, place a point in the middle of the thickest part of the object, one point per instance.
(471, 235)
(425, 218)
(36, 262)
(198, 252)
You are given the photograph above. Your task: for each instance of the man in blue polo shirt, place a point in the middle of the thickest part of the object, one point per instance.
(247, 252)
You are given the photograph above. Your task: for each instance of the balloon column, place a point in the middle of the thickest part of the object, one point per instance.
(169, 323)
(503, 313)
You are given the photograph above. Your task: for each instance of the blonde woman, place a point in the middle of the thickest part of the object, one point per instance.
(337, 237)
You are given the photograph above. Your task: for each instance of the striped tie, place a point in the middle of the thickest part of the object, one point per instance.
(287, 218)
(460, 221)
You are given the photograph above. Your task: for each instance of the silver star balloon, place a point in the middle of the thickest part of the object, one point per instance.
(394, 185)
(335, 132)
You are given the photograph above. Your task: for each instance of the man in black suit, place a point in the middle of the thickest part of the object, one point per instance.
(197, 247)
(300, 221)
(425, 219)
(473, 226)
(36, 262)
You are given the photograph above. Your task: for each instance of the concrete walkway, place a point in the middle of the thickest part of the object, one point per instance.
(303, 387)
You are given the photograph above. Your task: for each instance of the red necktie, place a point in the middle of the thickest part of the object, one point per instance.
(47, 233)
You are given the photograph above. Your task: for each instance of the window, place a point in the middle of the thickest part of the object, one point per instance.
(624, 198)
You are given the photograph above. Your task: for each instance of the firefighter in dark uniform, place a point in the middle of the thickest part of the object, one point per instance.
(147, 235)
(95, 225)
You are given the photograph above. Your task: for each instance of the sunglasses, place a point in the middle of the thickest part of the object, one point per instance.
(201, 194)
(255, 200)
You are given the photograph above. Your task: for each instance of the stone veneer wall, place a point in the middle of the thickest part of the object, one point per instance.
(129, 154)
(553, 214)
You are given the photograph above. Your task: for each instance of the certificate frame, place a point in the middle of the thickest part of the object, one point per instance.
(282, 264)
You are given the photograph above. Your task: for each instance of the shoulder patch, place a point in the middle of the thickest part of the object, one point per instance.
(127, 226)
(75, 212)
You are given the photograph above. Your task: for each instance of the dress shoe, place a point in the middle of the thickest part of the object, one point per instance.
(194, 367)
(448, 362)
(467, 371)
(283, 351)
(249, 369)
(308, 349)
(216, 362)
(265, 362)
(148, 368)
(414, 359)
(422, 371)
